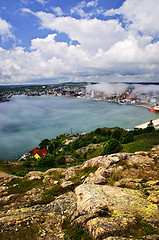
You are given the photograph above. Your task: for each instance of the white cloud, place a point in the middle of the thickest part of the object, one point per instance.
(5, 30)
(107, 51)
(49, 59)
(141, 15)
(58, 11)
(41, 1)
(92, 3)
(87, 9)
(92, 34)
(108, 88)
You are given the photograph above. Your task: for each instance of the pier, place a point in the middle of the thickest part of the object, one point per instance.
(144, 125)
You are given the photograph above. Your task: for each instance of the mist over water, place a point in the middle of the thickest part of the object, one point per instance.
(25, 121)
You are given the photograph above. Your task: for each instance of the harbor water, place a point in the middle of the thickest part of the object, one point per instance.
(25, 121)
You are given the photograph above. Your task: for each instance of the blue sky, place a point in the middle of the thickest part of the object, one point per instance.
(51, 41)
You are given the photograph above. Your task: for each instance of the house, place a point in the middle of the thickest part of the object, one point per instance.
(40, 153)
(34, 150)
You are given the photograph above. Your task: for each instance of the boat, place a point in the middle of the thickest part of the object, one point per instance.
(155, 109)
(124, 102)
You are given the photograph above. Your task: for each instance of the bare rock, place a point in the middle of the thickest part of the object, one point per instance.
(152, 183)
(10, 198)
(101, 171)
(128, 182)
(99, 177)
(139, 159)
(34, 194)
(70, 172)
(100, 226)
(66, 184)
(120, 202)
(141, 153)
(123, 156)
(154, 196)
(152, 237)
(53, 171)
(93, 162)
(95, 180)
(117, 238)
(35, 175)
(102, 161)
(3, 188)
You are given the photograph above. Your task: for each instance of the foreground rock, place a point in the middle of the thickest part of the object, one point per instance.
(110, 197)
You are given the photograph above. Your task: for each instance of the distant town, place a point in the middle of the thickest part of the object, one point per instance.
(81, 90)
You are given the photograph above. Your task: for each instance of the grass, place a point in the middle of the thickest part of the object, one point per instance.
(142, 142)
(24, 231)
(74, 232)
(56, 190)
(21, 186)
(97, 152)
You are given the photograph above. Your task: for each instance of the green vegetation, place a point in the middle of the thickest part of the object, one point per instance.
(98, 142)
(74, 232)
(112, 146)
(142, 142)
(56, 190)
(20, 186)
(24, 231)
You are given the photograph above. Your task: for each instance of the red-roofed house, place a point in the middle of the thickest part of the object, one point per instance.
(40, 153)
(34, 150)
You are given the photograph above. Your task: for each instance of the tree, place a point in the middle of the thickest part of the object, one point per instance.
(46, 161)
(44, 143)
(127, 137)
(117, 133)
(112, 146)
(150, 127)
(98, 131)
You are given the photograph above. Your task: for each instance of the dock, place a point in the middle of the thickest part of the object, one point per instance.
(144, 125)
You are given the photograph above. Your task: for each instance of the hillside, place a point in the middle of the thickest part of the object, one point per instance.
(113, 196)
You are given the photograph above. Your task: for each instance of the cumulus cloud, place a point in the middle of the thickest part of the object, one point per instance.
(140, 15)
(58, 11)
(106, 51)
(92, 34)
(5, 30)
(92, 3)
(87, 9)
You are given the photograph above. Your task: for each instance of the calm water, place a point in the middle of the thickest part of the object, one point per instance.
(25, 121)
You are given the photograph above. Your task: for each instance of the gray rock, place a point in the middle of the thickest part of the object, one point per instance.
(66, 184)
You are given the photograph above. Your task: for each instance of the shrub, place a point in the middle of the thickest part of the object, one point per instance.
(98, 131)
(127, 137)
(60, 160)
(44, 143)
(75, 154)
(112, 146)
(94, 140)
(27, 163)
(46, 161)
(85, 155)
(117, 133)
(75, 145)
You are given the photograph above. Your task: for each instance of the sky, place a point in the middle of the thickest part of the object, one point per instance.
(54, 41)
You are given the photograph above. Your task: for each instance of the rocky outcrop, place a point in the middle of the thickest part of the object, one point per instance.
(119, 195)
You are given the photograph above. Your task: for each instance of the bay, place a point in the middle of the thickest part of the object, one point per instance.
(25, 121)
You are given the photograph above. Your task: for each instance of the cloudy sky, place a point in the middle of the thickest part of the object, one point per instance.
(50, 41)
